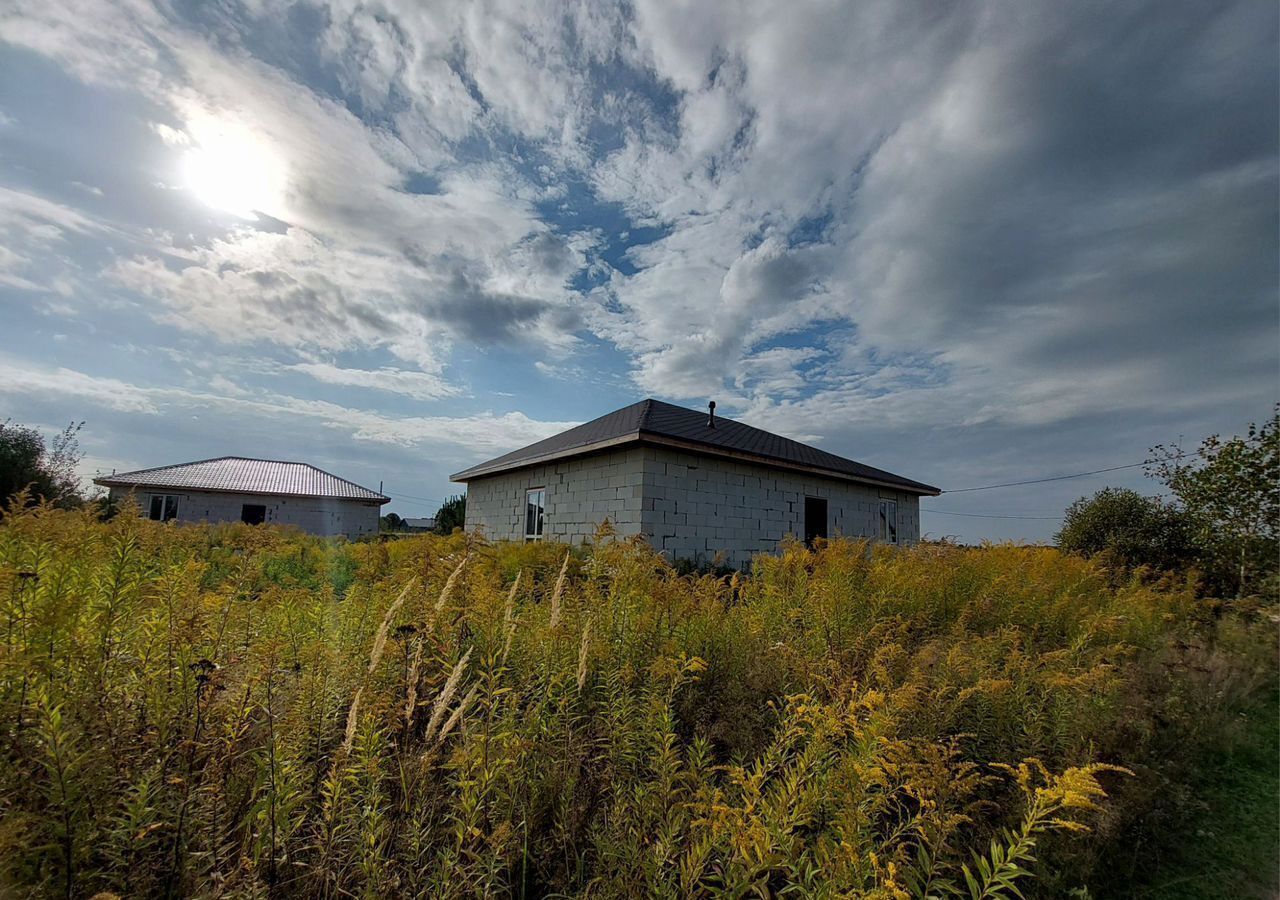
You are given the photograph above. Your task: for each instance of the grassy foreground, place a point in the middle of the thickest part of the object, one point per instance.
(229, 711)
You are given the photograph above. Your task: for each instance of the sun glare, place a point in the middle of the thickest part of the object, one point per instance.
(232, 170)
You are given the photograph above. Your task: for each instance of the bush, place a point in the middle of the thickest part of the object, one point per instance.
(1229, 492)
(1130, 529)
(451, 514)
(45, 474)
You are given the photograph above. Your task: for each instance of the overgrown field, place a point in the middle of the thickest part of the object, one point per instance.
(230, 711)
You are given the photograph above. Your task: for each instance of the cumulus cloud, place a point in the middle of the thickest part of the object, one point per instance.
(1018, 198)
(358, 260)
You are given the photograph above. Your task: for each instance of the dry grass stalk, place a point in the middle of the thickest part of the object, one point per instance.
(352, 716)
(448, 585)
(458, 714)
(411, 703)
(509, 617)
(582, 655)
(446, 695)
(558, 594)
(380, 641)
(375, 657)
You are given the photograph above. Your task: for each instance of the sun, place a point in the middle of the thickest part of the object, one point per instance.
(233, 170)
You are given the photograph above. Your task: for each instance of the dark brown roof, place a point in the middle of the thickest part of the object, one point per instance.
(652, 421)
(246, 476)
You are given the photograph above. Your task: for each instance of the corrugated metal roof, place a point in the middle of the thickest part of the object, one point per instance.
(239, 474)
(654, 419)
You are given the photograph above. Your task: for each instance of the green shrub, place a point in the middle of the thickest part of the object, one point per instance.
(1129, 530)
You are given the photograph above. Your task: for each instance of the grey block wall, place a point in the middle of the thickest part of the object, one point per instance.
(581, 493)
(688, 505)
(327, 517)
(703, 506)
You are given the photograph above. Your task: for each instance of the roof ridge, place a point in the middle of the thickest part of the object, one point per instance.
(285, 462)
(216, 468)
(193, 462)
(196, 462)
(646, 407)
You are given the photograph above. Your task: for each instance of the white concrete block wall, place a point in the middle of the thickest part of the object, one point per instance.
(316, 515)
(688, 505)
(704, 506)
(581, 493)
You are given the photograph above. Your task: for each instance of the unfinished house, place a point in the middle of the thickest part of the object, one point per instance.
(697, 486)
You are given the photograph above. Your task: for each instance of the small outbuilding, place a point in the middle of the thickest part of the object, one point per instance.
(697, 486)
(255, 491)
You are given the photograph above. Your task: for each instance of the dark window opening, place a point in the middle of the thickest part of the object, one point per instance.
(253, 514)
(815, 519)
(889, 521)
(163, 507)
(535, 507)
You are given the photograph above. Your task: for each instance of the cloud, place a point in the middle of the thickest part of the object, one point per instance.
(298, 290)
(108, 393)
(171, 136)
(1017, 199)
(359, 261)
(41, 218)
(418, 385)
(34, 230)
(483, 432)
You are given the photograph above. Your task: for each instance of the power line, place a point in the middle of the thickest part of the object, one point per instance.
(411, 497)
(988, 487)
(944, 512)
(430, 506)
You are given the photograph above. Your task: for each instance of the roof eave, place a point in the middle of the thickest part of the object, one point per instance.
(764, 459)
(108, 482)
(485, 469)
(646, 437)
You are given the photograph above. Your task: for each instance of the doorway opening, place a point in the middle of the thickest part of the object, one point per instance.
(815, 519)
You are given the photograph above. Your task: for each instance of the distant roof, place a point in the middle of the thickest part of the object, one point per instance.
(655, 422)
(241, 475)
(428, 522)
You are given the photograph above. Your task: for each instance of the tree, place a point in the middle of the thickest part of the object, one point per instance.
(452, 514)
(1230, 492)
(1132, 530)
(48, 473)
(391, 522)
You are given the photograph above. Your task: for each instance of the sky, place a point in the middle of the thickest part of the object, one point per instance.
(970, 243)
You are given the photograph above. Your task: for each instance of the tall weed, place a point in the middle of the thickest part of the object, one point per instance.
(229, 710)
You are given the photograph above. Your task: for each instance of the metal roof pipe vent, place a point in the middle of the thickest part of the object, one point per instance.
(711, 415)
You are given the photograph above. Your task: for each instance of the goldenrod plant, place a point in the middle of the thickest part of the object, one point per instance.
(230, 711)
